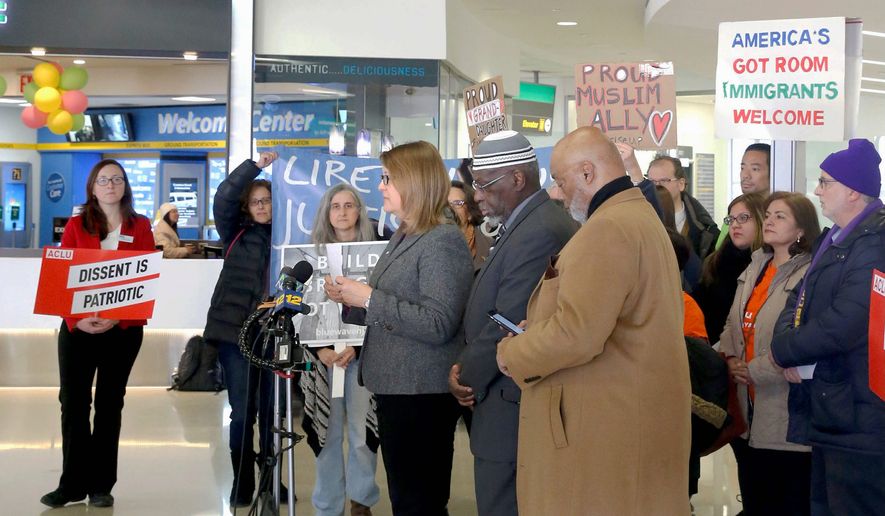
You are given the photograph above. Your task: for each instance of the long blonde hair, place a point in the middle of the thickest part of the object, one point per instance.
(420, 177)
(324, 233)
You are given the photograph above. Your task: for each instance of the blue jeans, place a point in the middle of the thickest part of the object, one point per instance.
(248, 397)
(335, 481)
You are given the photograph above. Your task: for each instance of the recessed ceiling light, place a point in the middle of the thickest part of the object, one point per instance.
(871, 79)
(190, 56)
(870, 61)
(12, 101)
(38, 51)
(194, 99)
(867, 90)
(79, 61)
(320, 92)
(874, 34)
(566, 23)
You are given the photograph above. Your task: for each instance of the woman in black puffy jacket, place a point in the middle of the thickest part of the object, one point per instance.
(242, 218)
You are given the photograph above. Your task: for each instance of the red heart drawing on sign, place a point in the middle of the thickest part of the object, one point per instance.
(659, 125)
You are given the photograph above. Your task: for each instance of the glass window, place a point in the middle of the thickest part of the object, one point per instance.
(299, 101)
(142, 173)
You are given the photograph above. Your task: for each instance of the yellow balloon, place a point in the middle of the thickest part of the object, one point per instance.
(47, 99)
(60, 122)
(46, 74)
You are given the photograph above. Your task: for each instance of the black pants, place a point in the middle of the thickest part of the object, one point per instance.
(846, 483)
(90, 453)
(417, 442)
(773, 482)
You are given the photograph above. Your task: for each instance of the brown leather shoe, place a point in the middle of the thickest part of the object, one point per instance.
(358, 509)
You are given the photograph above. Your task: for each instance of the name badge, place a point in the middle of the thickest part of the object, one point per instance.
(127, 238)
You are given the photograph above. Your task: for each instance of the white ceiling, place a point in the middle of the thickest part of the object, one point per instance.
(131, 82)
(683, 31)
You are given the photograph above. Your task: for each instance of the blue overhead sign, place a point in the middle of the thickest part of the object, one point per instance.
(347, 70)
(283, 120)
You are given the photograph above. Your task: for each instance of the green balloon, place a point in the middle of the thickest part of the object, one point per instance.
(2, 86)
(30, 91)
(79, 122)
(73, 78)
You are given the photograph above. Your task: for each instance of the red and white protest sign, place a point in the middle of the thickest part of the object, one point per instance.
(484, 107)
(877, 334)
(782, 80)
(86, 282)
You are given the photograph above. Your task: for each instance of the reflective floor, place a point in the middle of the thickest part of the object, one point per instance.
(174, 460)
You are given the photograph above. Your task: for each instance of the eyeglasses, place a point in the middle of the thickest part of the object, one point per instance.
(103, 181)
(822, 182)
(385, 178)
(743, 218)
(662, 182)
(260, 202)
(478, 186)
(457, 203)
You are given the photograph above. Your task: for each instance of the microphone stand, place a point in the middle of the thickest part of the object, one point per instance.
(283, 428)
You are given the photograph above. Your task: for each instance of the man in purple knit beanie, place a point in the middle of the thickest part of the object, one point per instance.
(856, 167)
(821, 341)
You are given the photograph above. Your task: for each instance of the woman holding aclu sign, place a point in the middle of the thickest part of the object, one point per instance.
(414, 304)
(342, 217)
(91, 345)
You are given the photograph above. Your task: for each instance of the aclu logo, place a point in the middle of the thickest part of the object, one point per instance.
(60, 254)
(879, 284)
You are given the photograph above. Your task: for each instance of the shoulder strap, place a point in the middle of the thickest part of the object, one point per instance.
(234, 241)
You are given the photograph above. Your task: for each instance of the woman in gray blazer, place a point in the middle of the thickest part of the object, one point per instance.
(414, 304)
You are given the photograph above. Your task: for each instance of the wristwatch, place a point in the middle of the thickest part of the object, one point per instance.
(366, 304)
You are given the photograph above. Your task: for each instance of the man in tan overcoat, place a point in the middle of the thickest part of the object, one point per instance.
(605, 416)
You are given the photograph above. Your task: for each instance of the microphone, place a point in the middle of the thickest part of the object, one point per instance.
(288, 303)
(291, 282)
(286, 271)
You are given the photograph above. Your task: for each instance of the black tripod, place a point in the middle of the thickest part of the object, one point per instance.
(287, 347)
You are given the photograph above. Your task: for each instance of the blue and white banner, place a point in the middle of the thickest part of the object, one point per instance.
(301, 177)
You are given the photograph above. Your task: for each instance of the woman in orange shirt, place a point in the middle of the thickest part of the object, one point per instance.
(774, 475)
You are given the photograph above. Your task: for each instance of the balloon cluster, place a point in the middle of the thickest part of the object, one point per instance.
(56, 99)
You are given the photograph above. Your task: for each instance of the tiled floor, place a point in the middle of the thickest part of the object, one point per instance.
(174, 460)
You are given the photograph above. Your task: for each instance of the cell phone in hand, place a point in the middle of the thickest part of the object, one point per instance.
(505, 323)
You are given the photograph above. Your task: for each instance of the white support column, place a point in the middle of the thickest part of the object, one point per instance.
(783, 166)
(239, 95)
